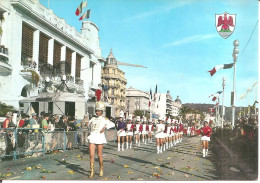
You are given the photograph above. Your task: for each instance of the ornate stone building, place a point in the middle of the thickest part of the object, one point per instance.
(114, 85)
(40, 53)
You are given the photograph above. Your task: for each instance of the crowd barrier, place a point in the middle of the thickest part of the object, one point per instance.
(19, 142)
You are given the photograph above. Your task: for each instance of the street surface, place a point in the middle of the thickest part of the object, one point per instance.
(183, 163)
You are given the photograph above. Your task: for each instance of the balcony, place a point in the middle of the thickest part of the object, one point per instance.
(5, 67)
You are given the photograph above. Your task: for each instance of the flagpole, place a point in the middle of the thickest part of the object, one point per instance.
(223, 113)
(235, 55)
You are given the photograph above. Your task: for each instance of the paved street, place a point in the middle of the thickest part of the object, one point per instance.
(182, 163)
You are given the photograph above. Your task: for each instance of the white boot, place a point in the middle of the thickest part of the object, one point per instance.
(136, 141)
(174, 142)
(151, 140)
(171, 144)
(158, 149)
(145, 141)
(139, 143)
(203, 153)
(122, 146)
(126, 145)
(118, 146)
(130, 145)
(164, 147)
(206, 152)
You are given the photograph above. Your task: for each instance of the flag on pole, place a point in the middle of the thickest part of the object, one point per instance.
(85, 15)
(215, 95)
(155, 92)
(211, 109)
(219, 67)
(158, 100)
(80, 8)
(151, 97)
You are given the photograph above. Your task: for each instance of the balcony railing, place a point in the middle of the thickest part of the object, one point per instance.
(5, 67)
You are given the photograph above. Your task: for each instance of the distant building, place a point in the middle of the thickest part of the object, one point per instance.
(136, 100)
(114, 85)
(164, 105)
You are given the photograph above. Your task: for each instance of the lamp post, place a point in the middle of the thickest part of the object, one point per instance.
(223, 108)
(233, 94)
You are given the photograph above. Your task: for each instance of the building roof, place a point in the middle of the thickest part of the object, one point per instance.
(178, 99)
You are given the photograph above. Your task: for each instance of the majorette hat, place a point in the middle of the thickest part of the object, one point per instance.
(161, 119)
(100, 106)
(137, 118)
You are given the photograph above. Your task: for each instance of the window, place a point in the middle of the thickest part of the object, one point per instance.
(78, 65)
(56, 53)
(43, 50)
(27, 42)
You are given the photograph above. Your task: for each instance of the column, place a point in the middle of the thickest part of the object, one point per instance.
(36, 43)
(73, 65)
(50, 51)
(63, 53)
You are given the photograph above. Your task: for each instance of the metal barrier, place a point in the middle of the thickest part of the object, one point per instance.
(19, 142)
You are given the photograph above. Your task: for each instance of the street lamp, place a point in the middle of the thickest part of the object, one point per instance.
(233, 94)
(223, 108)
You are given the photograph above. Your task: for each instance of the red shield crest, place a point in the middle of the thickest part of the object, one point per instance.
(225, 24)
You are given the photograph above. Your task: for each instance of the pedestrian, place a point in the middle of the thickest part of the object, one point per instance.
(63, 122)
(21, 123)
(129, 132)
(189, 130)
(121, 126)
(41, 118)
(70, 132)
(172, 133)
(159, 135)
(164, 132)
(181, 129)
(144, 131)
(175, 130)
(9, 133)
(150, 130)
(97, 137)
(168, 133)
(33, 121)
(55, 135)
(206, 132)
(138, 130)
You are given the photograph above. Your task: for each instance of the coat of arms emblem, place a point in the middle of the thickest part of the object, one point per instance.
(225, 24)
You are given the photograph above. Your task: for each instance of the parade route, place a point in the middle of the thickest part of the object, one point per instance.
(184, 162)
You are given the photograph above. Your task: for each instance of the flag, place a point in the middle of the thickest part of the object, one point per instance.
(158, 100)
(85, 15)
(215, 95)
(80, 8)
(211, 109)
(219, 67)
(151, 97)
(155, 92)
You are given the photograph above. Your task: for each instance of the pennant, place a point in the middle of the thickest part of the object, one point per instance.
(85, 15)
(80, 8)
(216, 95)
(219, 67)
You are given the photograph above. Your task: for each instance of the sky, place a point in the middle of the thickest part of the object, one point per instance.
(177, 41)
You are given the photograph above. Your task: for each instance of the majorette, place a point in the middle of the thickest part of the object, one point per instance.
(129, 132)
(121, 125)
(144, 131)
(206, 132)
(138, 129)
(150, 131)
(97, 137)
(159, 135)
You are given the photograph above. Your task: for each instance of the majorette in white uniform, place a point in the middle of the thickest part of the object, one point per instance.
(138, 129)
(168, 133)
(129, 132)
(144, 130)
(150, 130)
(159, 135)
(97, 124)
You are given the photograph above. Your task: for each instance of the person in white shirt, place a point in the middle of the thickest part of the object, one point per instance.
(129, 132)
(159, 135)
(144, 131)
(98, 124)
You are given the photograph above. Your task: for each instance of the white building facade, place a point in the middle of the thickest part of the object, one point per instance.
(136, 100)
(164, 105)
(38, 47)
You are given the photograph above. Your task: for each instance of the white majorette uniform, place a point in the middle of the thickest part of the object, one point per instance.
(138, 129)
(159, 131)
(150, 128)
(168, 131)
(97, 124)
(172, 129)
(129, 129)
(145, 129)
